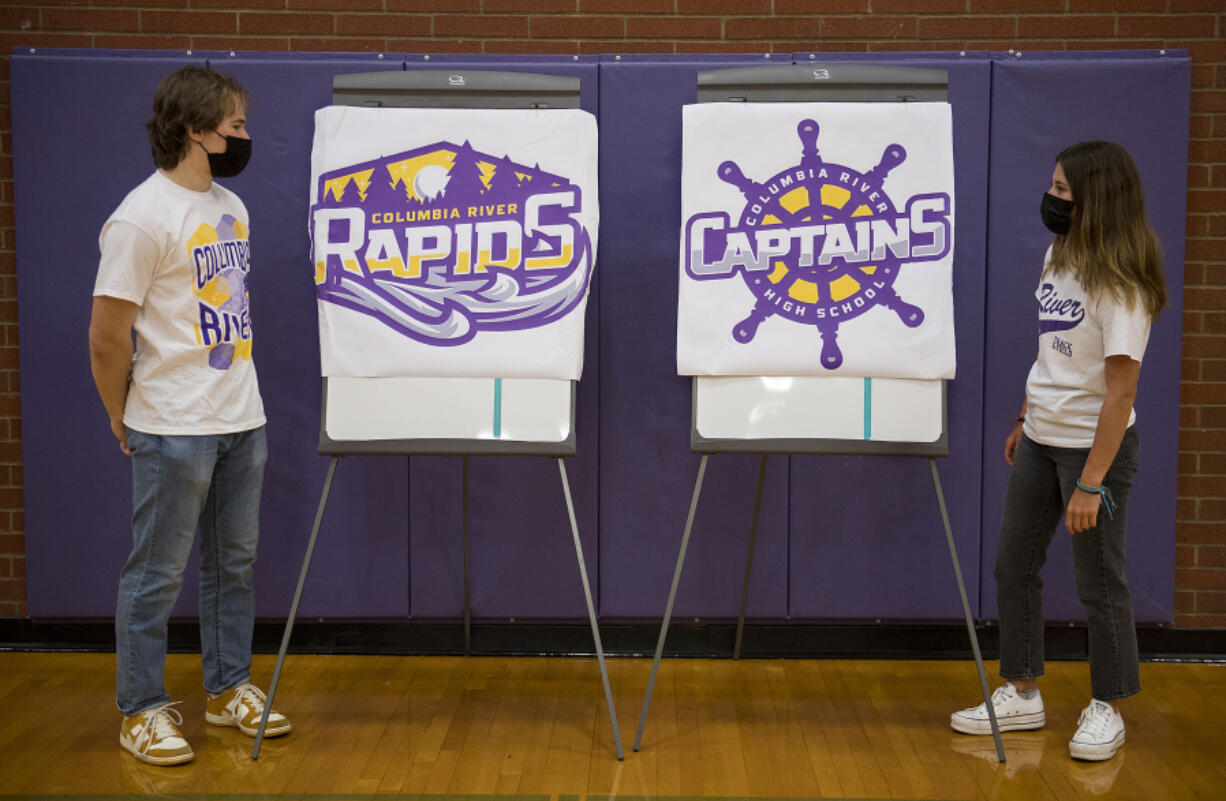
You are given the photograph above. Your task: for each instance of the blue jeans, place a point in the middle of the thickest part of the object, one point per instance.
(179, 483)
(1042, 480)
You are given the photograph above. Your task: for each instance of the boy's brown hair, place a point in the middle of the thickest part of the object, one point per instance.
(190, 97)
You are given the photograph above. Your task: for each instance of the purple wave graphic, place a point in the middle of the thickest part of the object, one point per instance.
(1047, 326)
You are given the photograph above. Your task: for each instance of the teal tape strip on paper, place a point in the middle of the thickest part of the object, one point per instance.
(868, 408)
(497, 408)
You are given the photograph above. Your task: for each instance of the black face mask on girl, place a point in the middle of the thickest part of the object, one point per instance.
(230, 162)
(1056, 212)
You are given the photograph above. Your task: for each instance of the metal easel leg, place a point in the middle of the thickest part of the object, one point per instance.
(591, 610)
(293, 610)
(966, 608)
(672, 595)
(468, 633)
(753, 539)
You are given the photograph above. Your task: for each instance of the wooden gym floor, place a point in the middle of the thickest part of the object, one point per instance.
(520, 727)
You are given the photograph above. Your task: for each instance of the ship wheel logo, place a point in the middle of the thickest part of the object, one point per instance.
(819, 243)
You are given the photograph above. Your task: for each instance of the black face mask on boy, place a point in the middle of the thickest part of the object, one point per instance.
(1056, 213)
(232, 160)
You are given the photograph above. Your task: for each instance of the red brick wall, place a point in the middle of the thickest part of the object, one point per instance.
(682, 26)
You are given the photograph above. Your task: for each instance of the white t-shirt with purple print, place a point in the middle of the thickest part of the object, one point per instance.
(183, 257)
(1067, 384)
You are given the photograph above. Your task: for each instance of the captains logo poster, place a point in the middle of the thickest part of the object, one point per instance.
(453, 242)
(817, 239)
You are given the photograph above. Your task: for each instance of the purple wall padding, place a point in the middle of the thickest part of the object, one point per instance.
(866, 537)
(647, 473)
(75, 550)
(842, 537)
(1040, 104)
(380, 508)
(362, 541)
(78, 489)
(824, 527)
(522, 554)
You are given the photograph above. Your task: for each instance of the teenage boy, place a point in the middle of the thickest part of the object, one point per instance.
(185, 406)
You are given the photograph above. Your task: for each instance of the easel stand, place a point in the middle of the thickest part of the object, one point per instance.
(740, 624)
(863, 83)
(587, 594)
(446, 89)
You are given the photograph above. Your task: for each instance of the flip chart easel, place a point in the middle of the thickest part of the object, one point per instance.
(452, 416)
(817, 414)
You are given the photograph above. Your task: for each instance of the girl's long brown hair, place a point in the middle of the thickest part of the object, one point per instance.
(1110, 247)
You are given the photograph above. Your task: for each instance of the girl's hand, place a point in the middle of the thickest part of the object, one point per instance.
(1082, 512)
(1011, 443)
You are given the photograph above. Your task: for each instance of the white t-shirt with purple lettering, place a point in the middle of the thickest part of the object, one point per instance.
(183, 257)
(1067, 384)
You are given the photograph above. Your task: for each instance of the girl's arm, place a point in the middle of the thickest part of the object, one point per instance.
(1121, 373)
(1015, 435)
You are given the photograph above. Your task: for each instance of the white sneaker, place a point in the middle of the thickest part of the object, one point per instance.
(242, 707)
(1013, 713)
(1100, 733)
(152, 736)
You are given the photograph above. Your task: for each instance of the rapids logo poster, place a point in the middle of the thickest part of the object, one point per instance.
(453, 242)
(817, 239)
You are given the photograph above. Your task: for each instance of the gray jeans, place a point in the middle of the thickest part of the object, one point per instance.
(1042, 480)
